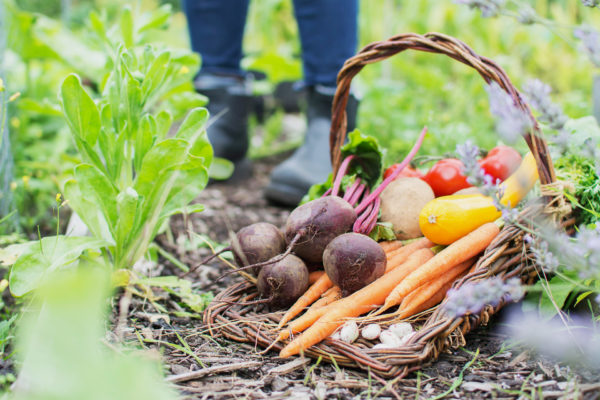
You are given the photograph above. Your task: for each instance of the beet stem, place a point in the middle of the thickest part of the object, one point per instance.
(352, 189)
(371, 221)
(268, 262)
(327, 193)
(361, 207)
(340, 175)
(356, 195)
(361, 218)
(207, 259)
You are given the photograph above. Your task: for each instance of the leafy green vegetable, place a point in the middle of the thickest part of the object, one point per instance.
(382, 231)
(367, 165)
(580, 168)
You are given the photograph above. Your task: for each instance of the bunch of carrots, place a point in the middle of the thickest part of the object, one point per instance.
(416, 279)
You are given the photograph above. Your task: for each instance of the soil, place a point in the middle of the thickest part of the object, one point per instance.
(489, 366)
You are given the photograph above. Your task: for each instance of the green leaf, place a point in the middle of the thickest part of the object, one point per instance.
(182, 288)
(155, 76)
(89, 212)
(45, 256)
(126, 24)
(127, 202)
(144, 139)
(194, 125)
(368, 163)
(542, 294)
(164, 120)
(220, 169)
(41, 107)
(96, 186)
(157, 19)
(80, 110)
(382, 231)
(162, 157)
(61, 350)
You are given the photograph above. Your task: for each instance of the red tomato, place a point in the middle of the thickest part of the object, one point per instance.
(501, 162)
(407, 172)
(446, 177)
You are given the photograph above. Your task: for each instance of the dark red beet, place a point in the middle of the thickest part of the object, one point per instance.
(353, 260)
(318, 222)
(284, 281)
(259, 242)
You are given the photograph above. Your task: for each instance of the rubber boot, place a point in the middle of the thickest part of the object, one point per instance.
(310, 163)
(229, 104)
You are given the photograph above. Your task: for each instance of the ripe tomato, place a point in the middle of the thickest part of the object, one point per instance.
(446, 177)
(501, 162)
(407, 172)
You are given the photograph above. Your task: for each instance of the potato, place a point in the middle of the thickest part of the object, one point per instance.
(469, 190)
(401, 203)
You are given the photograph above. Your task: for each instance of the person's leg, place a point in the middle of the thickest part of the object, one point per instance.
(328, 32)
(216, 31)
(329, 36)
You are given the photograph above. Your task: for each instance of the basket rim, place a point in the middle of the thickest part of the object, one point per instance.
(432, 42)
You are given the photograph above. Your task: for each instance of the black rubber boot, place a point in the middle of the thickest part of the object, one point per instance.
(230, 101)
(310, 163)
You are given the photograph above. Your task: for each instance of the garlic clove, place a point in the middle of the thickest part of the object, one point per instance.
(371, 331)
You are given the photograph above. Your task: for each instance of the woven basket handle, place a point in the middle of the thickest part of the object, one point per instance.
(431, 43)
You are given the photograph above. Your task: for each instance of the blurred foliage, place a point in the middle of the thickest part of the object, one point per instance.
(64, 352)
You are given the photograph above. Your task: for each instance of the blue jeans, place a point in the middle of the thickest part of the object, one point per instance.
(328, 34)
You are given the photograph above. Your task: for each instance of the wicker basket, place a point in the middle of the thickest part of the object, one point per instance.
(506, 256)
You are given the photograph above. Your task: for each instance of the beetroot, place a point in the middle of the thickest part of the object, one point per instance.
(284, 281)
(353, 260)
(257, 243)
(314, 224)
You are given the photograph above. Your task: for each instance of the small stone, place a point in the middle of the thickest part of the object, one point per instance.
(279, 384)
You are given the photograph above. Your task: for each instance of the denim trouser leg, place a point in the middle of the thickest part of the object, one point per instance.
(216, 31)
(329, 36)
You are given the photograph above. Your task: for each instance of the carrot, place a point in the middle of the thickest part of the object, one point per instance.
(316, 289)
(461, 250)
(360, 302)
(313, 314)
(397, 257)
(313, 276)
(313, 293)
(390, 245)
(431, 293)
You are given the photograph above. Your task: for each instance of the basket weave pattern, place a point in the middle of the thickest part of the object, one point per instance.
(505, 257)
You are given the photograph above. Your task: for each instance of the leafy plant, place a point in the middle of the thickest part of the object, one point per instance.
(62, 348)
(134, 176)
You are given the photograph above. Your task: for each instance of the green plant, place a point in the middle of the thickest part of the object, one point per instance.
(133, 172)
(63, 351)
(136, 169)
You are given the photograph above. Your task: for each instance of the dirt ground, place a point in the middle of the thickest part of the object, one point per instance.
(203, 367)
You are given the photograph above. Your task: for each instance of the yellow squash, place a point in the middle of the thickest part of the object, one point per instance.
(448, 218)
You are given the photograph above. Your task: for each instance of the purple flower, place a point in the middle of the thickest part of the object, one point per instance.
(512, 122)
(472, 297)
(591, 42)
(488, 8)
(590, 3)
(543, 257)
(537, 94)
(580, 254)
(527, 15)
